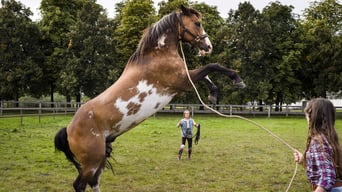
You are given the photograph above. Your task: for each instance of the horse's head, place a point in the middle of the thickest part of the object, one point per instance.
(191, 30)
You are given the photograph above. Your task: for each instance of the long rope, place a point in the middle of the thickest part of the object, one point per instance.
(240, 117)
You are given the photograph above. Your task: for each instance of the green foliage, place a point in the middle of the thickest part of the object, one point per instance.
(166, 7)
(246, 49)
(57, 17)
(76, 50)
(135, 16)
(57, 98)
(267, 49)
(20, 55)
(284, 53)
(90, 54)
(322, 27)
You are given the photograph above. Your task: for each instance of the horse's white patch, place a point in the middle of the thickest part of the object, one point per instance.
(106, 133)
(96, 188)
(207, 77)
(94, 133)
(151, 103)
(161, 42)
(90, 114)
(210, 46)
(93, 170)
(207, 41)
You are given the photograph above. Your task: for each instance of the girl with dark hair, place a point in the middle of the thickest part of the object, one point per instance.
(323, 155)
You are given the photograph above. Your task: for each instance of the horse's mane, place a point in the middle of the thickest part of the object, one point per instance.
(151, 35)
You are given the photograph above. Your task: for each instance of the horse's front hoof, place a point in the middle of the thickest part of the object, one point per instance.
(239, 85)
(212, 99)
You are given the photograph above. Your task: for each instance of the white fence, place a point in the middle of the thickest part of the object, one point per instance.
(23, 109)
(39, 109)
(268, 110)
(15, 109)
(12, 108)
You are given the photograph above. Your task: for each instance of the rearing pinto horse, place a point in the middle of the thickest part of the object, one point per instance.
(154, 74)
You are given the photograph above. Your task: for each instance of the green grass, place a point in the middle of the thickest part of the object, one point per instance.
(232, 155)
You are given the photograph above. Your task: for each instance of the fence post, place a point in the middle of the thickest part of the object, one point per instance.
(55, 109)
(65, 108)
(269, 111)
(192, 110)
(21, 116)
(0, 107)
(39, 111)
(287, 110)
(230, 110)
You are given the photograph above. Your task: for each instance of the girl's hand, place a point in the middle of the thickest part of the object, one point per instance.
(298, 156)
(180, 123)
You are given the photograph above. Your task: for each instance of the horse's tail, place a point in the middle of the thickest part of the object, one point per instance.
(109, 140)
(62, 144)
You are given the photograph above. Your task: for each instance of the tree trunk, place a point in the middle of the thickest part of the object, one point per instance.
(16, 95)
(78, 98)
(68, 100)
(260, 103)
(52, 89)
(277, 103)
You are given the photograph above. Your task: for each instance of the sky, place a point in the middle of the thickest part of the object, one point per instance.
(223, 6)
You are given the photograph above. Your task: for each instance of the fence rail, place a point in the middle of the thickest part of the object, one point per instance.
(268, 110)
(22, 109)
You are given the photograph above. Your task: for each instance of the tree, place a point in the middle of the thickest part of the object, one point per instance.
(267, 48)
(246, 48)
(57, 17)
(322, 55)
(20, 55)
(136, 15)
(284, 52)
(90, 66)
(166, 7)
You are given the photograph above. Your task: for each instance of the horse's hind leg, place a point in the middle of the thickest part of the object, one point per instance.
(89, 175)
(79, 184)
(92, 157)
(94, 182)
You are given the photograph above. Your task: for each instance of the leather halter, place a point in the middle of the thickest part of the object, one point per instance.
(197, 38)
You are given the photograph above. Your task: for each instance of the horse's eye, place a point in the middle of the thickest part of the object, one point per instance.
(198, 24)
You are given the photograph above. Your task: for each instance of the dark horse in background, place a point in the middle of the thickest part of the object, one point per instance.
(154, 74)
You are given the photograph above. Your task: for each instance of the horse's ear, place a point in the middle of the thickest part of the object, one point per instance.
(184, 10)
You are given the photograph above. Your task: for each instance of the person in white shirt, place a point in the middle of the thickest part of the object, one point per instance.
(186, 124)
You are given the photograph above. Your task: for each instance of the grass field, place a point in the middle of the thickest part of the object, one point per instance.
(232, 155)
